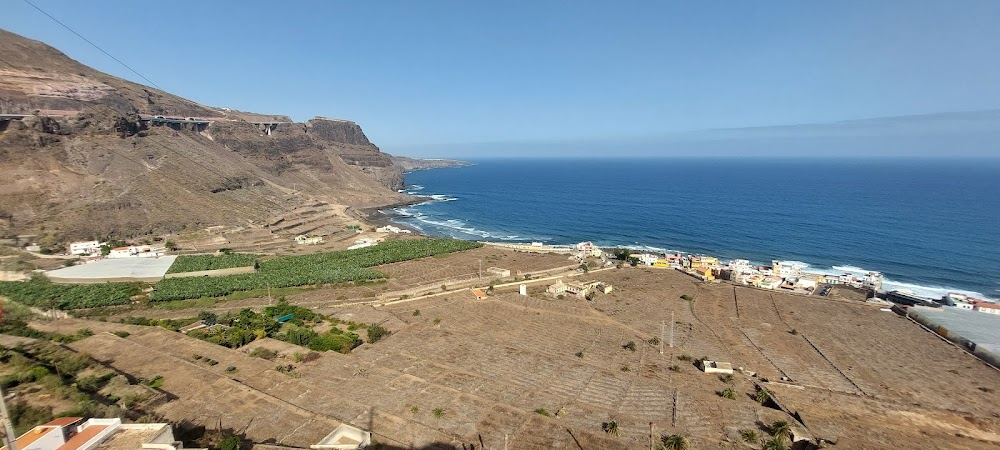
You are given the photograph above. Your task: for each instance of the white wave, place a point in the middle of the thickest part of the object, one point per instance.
(850, 269)
(416, 187)
(925, 291)
(803, 266)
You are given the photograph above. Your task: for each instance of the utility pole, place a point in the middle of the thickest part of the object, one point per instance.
(671, 329)
(8, 427)
(480, 269)
(661, 337)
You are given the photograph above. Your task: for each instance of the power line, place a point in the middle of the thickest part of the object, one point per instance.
(93, 44)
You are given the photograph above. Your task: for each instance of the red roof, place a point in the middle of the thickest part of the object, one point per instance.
(82, 437)
(987, 305)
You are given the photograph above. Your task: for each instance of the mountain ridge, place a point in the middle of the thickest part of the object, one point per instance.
(86, 161)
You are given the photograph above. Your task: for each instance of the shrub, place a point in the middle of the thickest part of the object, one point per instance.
(687, 297)
(611, 427)
(416, 312)
(630, 345)
(376, 332)
(727, 393)
(265, 353)
(122, 334)
(749, 436)
(231, 369)
(653, 341)
(579, 354)
(414, 409)
(437, 413)
(542, 411)
(684, 357)
(674, 369)
(726, 377)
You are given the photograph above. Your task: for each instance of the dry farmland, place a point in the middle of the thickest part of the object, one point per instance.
(540, 372)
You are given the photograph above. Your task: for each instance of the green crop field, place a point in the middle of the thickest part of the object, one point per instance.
(195, 263)
(314, 269)
(41, 292)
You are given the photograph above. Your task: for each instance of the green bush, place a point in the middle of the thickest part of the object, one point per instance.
(265, 353)
(376, 332)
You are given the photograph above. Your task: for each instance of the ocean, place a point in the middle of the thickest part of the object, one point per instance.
(930, 226)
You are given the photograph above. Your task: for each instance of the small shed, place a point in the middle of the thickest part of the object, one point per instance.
(479, 294)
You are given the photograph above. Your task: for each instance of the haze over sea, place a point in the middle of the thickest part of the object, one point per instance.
(931, 226)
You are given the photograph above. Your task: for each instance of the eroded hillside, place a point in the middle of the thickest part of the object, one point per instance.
(87, 161)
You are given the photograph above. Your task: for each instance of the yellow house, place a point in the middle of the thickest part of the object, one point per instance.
(705, 272)
(661, 263)
(704, 261)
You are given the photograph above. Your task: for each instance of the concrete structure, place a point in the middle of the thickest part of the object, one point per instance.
(136, 251)
(148, 270)
(344, 437)
(872, 281)
(523, 289)
(716, 367)
(392, 229)
(308, 240)
(364, 242)
(85, 248)
(561, 287)
(33, 247)
(498, 272)
(67, 433)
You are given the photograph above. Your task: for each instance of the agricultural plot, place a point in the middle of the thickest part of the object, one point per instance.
(196, 263)
(41, 292)
(313, 269)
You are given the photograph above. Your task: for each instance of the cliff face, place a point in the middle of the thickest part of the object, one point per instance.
(351, 144)
(87, 166)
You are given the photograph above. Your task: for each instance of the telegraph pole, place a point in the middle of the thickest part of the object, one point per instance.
(7, 425)
(671, 330)
(661, 337)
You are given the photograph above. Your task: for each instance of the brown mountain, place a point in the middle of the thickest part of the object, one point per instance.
(87, 160)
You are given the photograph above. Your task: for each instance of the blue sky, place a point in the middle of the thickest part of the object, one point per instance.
(416, 74)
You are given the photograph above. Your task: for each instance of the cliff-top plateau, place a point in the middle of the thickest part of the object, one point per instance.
(98, 156)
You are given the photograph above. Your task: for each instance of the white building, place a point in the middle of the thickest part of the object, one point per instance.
(988, 308)
(136, 251)
(873, 281)
(308, 240)
(645, 258)
(85, 248)
(784, 270)
(68, 433)
(364, 242)
(392, 229)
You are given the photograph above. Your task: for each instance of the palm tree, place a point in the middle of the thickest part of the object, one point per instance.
(761, 396)
(775, 443)
(781, 430)
(749, 436)
(674, 442)
(611, 427)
